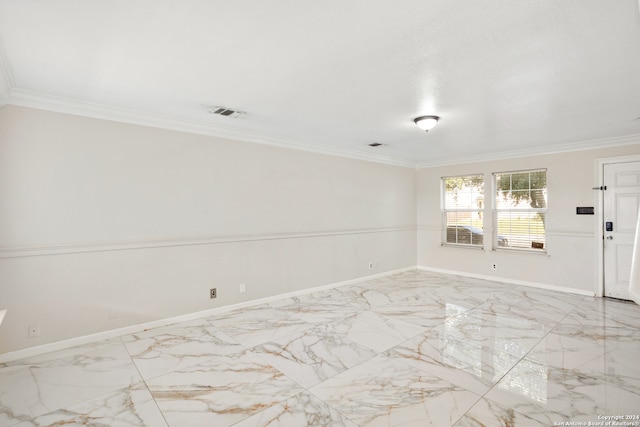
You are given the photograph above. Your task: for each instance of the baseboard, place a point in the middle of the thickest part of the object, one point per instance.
(133, 329)
(509, 281)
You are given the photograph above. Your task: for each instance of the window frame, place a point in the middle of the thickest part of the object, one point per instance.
(444, 210)
(496, 210)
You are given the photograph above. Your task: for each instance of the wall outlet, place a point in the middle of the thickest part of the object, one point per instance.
(213, 293)
(372, 265)
(494, 266)
(34, 330)
(243, 288)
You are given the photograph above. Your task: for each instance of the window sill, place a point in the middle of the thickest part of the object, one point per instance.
(507, 249)
(460, 245)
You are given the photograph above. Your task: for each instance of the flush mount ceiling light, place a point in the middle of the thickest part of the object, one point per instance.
(426, 122)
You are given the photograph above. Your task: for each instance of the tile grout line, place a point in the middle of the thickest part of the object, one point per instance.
(144, 380)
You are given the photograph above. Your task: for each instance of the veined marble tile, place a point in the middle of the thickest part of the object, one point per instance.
(67, 353)
(393, 294)
(387, 392)
(259, 324)
(162, 350)
(606, 364)
(461, 296)
(313, 356)
(30, 389)
(422, 312)
(609, 313)
(412, 276)
(334, 296)
(543, 356)
(323, 307)
(450, 281)
(470, 365)
(408, 280)
(551, 394)
(427, 286)
(540, 312)
(551, 297)
(486, 413)
(594, 328)
(132, 406)
(223, 390)
(509, 333)
(370, 298)
(303, 409)
(586, 355)
(377, 331)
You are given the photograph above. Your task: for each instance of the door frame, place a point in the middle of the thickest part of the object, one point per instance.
(598, 228)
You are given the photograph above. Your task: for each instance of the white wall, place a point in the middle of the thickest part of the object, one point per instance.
(570, 261)
(105, 225)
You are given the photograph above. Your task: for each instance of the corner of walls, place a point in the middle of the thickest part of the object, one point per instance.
(570, 261)
(108, 225)
(509, 281)
(137, 328)
(6, 80)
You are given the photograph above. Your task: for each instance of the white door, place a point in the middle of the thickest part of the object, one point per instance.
(621, 201)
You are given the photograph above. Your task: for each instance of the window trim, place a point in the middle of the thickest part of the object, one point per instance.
(444, 211)
(495, 211)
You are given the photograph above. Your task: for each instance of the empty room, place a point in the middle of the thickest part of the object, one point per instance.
(338, 213)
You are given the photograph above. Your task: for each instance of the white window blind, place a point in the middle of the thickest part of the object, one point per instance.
(462, 208)
(521, 209)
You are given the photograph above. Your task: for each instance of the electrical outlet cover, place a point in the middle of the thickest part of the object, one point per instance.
(34, 330)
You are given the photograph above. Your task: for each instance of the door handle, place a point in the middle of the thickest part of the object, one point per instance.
(609, 237)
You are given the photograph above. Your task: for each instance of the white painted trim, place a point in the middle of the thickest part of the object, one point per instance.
(6, 80)
(25, 98)
(598, 233)
(429, 228)
(489, 230)
(537, 151)
(570, 234)
(56, 249)
(509, 281)
(115, 333)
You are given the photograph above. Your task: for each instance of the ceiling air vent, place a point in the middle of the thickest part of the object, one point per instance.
(224, 111)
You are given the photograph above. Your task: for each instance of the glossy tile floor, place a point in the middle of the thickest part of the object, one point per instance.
(413, 349)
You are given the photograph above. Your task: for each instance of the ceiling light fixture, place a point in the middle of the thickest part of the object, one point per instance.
(426, 122)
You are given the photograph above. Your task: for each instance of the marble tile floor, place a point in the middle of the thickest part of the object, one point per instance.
(412, 349)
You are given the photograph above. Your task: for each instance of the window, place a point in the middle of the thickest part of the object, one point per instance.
(521, 209)
(463, 202)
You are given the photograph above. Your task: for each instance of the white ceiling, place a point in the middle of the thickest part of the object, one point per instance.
(507, 77)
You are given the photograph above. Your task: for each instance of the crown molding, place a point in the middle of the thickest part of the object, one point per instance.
(537, 151)
(30, 99)
(25, 98)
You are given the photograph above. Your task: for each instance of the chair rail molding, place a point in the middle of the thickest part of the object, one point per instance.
(57, 249)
